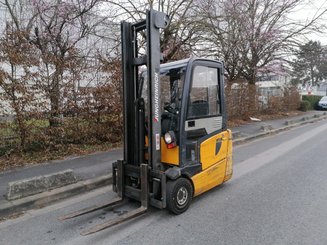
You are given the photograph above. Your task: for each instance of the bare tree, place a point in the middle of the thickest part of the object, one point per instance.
(18, 59)
(60, 29)
(249, 35)
(56, 29)
(49, 49)
(183, 32)
(14, 77)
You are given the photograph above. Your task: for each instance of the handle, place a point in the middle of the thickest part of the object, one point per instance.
(191, 124)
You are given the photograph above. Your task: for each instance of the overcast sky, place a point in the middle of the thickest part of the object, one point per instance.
(307, 11)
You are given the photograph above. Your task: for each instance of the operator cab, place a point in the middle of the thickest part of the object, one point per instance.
(192, 109)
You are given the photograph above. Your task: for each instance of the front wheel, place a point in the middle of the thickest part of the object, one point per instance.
(179, 195)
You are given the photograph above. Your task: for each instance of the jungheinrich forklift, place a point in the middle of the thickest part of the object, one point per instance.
(176, 142)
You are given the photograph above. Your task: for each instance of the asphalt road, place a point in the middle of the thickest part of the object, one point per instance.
(278, 195)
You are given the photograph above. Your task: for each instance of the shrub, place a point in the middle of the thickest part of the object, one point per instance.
(275, 105)
(312, 99)
(291, 99)
(304, 105)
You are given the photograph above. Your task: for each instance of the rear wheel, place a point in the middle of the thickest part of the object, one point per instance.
(179, 195)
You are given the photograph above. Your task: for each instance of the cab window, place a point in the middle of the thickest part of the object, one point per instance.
(204, 94)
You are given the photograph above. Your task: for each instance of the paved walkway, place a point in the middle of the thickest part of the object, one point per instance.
(255, 127)
(95, 165)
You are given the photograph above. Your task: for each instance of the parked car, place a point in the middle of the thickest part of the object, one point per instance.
(323, 103)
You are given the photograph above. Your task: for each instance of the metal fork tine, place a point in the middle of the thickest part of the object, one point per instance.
(127, 216)
(91, 209)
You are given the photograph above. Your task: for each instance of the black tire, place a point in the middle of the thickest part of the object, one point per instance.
(179, 195)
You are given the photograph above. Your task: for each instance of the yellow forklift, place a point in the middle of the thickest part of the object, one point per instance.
(176, 142)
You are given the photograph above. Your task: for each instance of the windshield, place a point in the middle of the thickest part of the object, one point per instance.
(172, 82)
(171, 85)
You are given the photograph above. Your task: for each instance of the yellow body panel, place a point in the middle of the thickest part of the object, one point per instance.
(170, 156)
(209, 178)
(229, 160)
(208, 156)
(216, 168)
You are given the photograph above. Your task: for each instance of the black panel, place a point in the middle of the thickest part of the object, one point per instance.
(218, 146)
(191, 170)
(191, 124)
(196, 134)
(128, 91)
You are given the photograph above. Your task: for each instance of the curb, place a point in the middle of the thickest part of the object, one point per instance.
(31, 186)
(50, 197)
(238, 141)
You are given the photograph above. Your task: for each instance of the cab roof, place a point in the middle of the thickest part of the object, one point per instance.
(181, 63)
(174, 64)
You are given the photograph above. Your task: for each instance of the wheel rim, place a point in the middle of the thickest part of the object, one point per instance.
(182, 196)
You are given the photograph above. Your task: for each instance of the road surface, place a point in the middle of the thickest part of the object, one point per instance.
(278, 195)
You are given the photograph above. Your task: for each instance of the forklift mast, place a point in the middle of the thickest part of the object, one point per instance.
(131, 176)
(134, 111)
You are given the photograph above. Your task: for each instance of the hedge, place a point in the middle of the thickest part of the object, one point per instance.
(312, 99)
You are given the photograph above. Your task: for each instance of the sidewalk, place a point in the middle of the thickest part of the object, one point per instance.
(94, 170)
(256, 129)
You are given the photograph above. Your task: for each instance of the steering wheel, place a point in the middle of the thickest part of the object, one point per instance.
(170, 109)
(199, 102)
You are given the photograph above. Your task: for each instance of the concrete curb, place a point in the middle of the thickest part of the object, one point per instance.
(49, 197)
(38, 184)
(303, 121)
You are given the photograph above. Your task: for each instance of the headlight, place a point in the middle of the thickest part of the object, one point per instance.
(169, 137)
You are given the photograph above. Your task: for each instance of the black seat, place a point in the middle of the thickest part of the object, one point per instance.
(198, 108)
